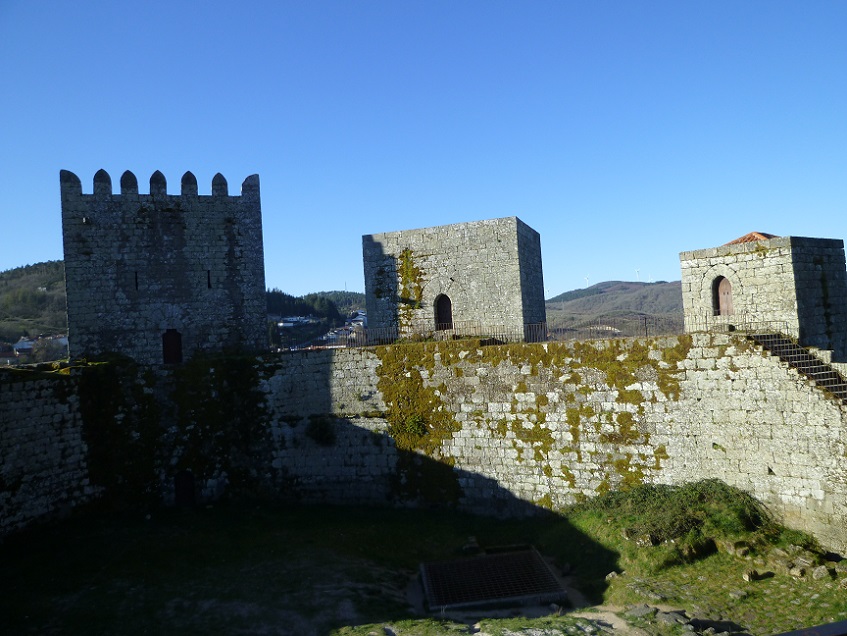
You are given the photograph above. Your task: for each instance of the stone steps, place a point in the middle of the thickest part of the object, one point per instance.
(800, 358)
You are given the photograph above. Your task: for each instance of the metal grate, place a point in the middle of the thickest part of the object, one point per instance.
(831, 629)
(511, 578)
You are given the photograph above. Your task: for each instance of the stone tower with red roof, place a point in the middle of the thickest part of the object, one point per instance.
(792, 285)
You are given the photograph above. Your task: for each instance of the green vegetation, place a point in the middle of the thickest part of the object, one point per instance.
(683, 523)
(32, 301)
(416, 416)
(615, 304)
(221, 421)
(248, 568)
(318, 305)
(410, 293)
(218, 427)
(418, 422)
(346, 301)
(122, 431)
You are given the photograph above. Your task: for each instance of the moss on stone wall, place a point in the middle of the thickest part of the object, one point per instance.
(629, 372)
(419, 422)
(206, 418)
(417, 417)
(410, 288)
(660, 455)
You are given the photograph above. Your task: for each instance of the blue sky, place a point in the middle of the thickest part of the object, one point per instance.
(624, 132)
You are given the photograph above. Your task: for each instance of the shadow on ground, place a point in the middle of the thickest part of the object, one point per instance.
(254, 567)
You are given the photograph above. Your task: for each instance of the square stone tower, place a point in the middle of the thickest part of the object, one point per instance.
(158, 277)
(793, 285)
(483, 275)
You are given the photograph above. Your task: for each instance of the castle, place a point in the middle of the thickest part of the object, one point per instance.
(469, 423)
(160, 277)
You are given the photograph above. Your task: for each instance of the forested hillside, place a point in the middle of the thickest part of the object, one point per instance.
(613, 301)
(32, 301)
(346, 301)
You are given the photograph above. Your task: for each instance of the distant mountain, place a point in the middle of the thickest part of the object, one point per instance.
(614, 299)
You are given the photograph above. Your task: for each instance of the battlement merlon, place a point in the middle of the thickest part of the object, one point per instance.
(71, 186)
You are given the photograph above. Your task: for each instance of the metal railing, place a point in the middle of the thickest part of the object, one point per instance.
(742, 322)
(597, 329)
(621, 327)
(604, 328)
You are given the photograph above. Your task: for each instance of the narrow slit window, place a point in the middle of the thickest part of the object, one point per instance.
(209, 279)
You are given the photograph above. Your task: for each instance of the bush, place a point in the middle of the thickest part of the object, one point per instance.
(688, 520)
(408, 431)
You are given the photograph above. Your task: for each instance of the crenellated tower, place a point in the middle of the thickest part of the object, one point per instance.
(159, 277)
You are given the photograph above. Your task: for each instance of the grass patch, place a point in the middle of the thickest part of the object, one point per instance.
(249, 568)
(235, 569)
(680, 523)
(713, 588)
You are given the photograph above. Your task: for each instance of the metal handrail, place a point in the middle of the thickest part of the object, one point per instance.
(599, 329)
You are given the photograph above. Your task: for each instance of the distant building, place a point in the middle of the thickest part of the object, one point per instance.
(484, 274)
(23, 347)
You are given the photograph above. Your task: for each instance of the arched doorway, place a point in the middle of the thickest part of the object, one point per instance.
(443, 313)
(722, 297)
(185, 491)
(172, 347)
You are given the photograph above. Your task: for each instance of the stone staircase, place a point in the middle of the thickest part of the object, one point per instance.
(807, 363)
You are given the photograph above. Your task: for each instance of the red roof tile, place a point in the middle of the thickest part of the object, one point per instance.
(751, 237)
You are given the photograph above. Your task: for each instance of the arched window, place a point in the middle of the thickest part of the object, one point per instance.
(172, 347)
(722, 297)
(443, 313)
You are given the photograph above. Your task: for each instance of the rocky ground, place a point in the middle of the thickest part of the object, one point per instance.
(335, 571)
(788, 589)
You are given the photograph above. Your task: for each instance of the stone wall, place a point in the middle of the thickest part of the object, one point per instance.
(532, 275)
(552, 424)
(792, 285)
(490, 270)
(43, 457)
(140, 266)
(328, 446)
(755, 423)
(820, 276)
(496, 429)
